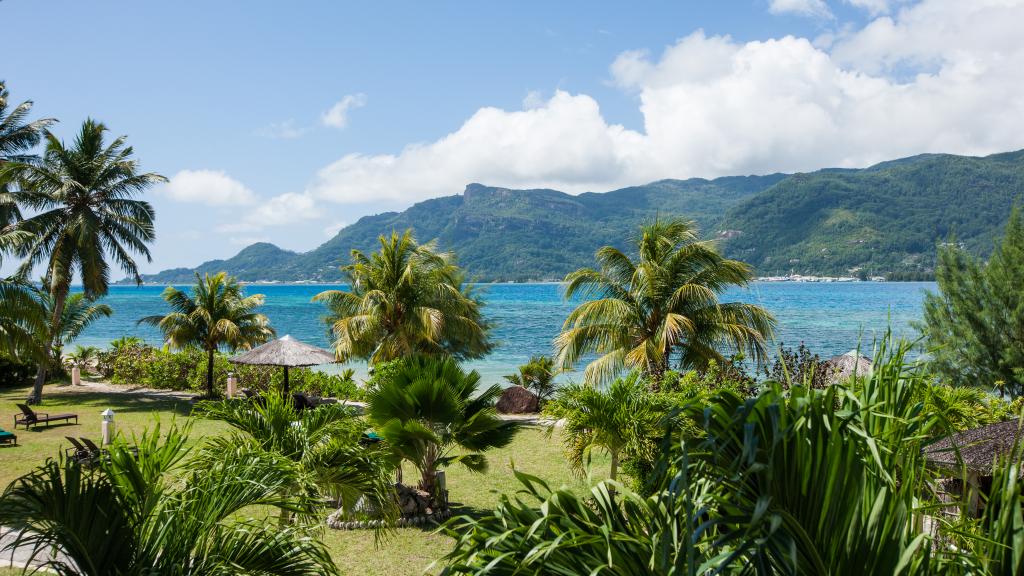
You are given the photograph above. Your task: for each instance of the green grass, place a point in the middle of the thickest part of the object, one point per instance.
(404, 551)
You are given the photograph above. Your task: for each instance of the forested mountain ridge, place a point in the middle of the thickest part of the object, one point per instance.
(500, 234)
(881, 220)
(886, 219)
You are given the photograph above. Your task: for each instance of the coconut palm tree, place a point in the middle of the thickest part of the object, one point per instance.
(217, 314)
(17, 138)
(322, 445)
(537, 375)
(621, 419)
(405, 299)
(431, 413)
(155, 510)
(86, 209)
(17, 135)
(640, 313)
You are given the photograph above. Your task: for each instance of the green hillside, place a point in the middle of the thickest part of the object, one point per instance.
(882, 220)
(886, 219)
(501, 234)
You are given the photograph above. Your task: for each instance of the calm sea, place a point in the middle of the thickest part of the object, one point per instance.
(831, 318)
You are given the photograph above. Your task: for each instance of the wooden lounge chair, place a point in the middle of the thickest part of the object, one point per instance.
(94, 449)
(30, 418)
(78, 452)
(8, 437)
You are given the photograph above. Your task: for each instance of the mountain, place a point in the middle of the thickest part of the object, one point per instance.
(501, 234)
(884, 220)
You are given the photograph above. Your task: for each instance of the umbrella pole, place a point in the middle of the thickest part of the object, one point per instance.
(286, 392)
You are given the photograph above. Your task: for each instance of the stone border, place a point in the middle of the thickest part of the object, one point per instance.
(403, 522)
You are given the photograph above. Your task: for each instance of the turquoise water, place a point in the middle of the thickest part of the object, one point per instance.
(831, 318)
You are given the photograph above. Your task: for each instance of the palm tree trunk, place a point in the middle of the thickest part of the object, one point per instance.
(209, 373)
(615, 465)
(36, 397)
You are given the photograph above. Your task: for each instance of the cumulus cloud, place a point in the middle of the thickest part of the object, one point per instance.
(815, 8)
(874, 7)
(938, 76)
(337, 115)
(210, 187)
(283, 210)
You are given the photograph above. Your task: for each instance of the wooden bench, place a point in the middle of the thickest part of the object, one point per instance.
(29, 418)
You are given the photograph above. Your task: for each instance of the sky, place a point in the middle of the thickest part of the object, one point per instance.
(284, 122)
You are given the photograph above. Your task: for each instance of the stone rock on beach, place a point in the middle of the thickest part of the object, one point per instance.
(517, 400)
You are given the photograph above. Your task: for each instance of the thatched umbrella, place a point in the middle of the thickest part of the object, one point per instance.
(977, 448)
(286, 352)
(840, 368)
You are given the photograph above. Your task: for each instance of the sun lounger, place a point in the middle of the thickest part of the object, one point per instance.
(29, 418)
(8, 437)
(78, 452)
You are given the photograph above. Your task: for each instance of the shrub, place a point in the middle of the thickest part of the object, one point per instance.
(15, 372)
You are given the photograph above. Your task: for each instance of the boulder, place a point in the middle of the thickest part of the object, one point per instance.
(517, 400)
(412, 501)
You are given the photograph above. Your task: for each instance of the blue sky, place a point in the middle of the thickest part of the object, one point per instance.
(233, 100)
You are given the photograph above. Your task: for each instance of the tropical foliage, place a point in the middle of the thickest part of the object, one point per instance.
(974, 325)
(537, 375)
(322, 446)
(622, 419)
(433, 414)
(800, 481)
(84, 211)
(661, 308)
(156, 510)
(405, 299)
(34, 327)
(217, 314)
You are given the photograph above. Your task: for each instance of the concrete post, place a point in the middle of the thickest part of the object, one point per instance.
(107, 426)
(76, 375)
(232, 384)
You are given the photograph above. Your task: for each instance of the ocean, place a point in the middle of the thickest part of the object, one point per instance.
(830, 318)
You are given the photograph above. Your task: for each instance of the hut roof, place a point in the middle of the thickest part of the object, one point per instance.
(285, 351)
(845, 365)
(978, 447)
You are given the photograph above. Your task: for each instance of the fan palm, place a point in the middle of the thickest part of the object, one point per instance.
(405, 299)
(322, 445)
(431, 413)
(666, 302)
(159, 512)
(86, 211)
(217, 314)
(621, 419)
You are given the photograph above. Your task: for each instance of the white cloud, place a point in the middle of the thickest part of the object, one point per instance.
(938, 76)
(874, 7)
(210, 187)
(337, 116)
(286, 209)
(815, 8)
(286, 130)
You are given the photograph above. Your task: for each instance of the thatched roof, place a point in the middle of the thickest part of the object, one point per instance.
(285, 351)
(843, 366)
(978, 448)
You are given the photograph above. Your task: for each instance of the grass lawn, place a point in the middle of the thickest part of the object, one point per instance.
(404, 551)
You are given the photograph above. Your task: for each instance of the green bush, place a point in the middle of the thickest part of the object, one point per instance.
(15, 372)
(138, 364)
